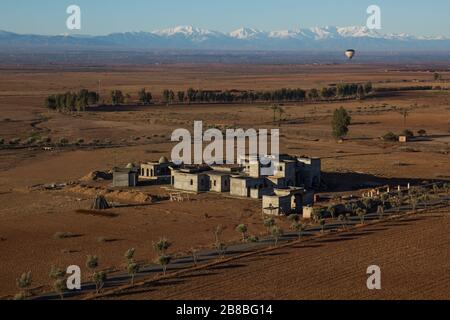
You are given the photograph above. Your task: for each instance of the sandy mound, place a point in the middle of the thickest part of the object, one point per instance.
(112, 195)
(97, 176)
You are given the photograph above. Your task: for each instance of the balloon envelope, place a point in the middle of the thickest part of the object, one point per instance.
(350, 53)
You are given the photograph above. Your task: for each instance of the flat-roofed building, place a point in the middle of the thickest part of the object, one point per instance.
(190, 178)
(289, 187)
(309, 173)
(125, 177)
(248, 187)
(286, 201)
(219, 181)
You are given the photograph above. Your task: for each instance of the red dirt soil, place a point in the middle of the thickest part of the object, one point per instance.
(413, 255)
(30, 216)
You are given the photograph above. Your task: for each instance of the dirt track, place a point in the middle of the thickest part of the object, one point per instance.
(413, 255)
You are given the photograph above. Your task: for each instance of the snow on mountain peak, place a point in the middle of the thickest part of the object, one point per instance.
(314, 33)
(323, 38)
(184, 30)
(357, 32)
(246, 33)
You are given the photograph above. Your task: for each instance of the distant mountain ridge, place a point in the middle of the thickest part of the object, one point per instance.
(189, 37)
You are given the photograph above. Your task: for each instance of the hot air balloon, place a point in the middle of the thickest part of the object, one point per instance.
(350, 53)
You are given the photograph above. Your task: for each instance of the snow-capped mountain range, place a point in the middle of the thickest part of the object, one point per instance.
(188, 37)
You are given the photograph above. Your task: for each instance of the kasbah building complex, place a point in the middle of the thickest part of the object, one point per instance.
(289, 190)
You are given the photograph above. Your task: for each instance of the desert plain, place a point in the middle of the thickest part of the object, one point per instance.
(31, 215)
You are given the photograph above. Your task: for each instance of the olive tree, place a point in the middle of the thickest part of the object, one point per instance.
(132, 269)
(344, 221)
(132, 266)
(340, 123)
(242, 229)
(332, 211)
(164, 261)
(269, 223)
(221, 249)
(59, 278)
(446, 188)
(322, 223)
(161, 246)
(299, 228)
(60, 287)
(98, 277)
(194, 253)
(413, 201)
(276, 233)
(361, 213)
(380, 212)
(24, 284)
(218, 244)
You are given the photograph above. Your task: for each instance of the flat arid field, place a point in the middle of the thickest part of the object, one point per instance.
(412, 253)
(32, 214)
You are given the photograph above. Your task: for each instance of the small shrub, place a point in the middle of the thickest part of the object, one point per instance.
(63, 141)
(24, 283)
(408, 133)
(30, 140)
(56, 273)
(20, 296)
(252, 239)
(64, 235)
(46, 140)
(129, 255)
(102, 240)
(14, 141)
(390, 136)
(92, 262)
(242, 229)
(422, 132)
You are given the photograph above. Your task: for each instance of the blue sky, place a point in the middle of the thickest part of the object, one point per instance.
(108, 16)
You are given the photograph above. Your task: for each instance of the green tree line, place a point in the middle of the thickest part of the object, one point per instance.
(71, 101)
(280, 95)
